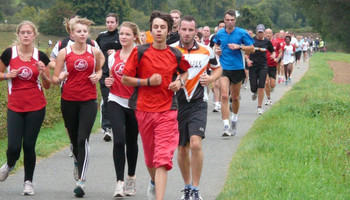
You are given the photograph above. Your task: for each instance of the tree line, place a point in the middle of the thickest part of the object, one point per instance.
(322, 15)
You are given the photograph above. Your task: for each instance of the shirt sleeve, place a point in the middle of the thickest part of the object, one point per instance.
(6, 56)
(247, 39)
(131, 64)
(270, 47)
(43, 57)
(111, 60)
(54, 51)
(216, 39)
(184, 65)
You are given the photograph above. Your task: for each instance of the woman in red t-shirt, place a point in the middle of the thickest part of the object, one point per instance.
(78, 101)
(25, 66)
(123, 121)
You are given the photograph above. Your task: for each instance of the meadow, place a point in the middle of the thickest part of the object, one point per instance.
(300, 148)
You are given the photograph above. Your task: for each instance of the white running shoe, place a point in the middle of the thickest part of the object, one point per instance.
(151, 192)
(4, 172)
(28, 189)
(268, 103)
(187, 194)
(130, 188)
(196, 195)
(260, 111)
(226, 131)
(79, 190)
(217, 107)
(107, 135)
(119, 189)
(234, 127)
(254, 96)
(76, 171)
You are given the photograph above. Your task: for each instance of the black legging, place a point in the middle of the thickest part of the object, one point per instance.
(257, 77)
(79, 117)
(23, 127)
(105, 121)
(125, 132)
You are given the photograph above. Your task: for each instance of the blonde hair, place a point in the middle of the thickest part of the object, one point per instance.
(135, 30)
(78, 20)
(66, 23)
(176, 11)
(18, 29)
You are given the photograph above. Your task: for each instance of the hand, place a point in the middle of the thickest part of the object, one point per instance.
(250, 63)
(13, 73)
(62, 76)
(205, 80)
(175, 85)
(94, 78)
(155, 79)
(110, 51)
(41, 66)
(218, 51)
(234, 46)
(109, 81)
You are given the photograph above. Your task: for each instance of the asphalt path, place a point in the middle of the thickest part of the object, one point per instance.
(53, 178)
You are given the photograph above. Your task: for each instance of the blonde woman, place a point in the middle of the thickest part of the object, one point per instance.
(25, 66)
(78, 100)
(123, 121)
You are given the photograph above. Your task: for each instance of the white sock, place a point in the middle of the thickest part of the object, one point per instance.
(234, 117)
(226, 122)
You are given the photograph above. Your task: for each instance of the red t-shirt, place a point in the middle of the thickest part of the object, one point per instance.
(25, 92)
(155, 98)
(117, 87)
(276, 46)
(77, 86)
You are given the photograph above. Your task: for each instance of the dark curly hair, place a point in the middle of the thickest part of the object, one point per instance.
(164, 16)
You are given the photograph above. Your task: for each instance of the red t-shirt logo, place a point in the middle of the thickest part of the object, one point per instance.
(80, 64)
(25, 73)
(119, 68)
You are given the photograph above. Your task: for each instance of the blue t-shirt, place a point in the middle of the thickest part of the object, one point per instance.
(232, 59)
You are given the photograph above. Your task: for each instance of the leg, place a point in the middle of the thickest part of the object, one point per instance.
(224, 88)
(183, 159)
(105, 122)
(235, 89)
(262, 73)
(32, 124)
(132, 148)
(267, 87)
(15, 131)
(196, 159)
(161, 181)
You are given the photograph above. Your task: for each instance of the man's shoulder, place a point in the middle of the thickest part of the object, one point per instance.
(103, 32)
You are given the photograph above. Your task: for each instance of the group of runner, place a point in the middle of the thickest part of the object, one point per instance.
(155, 83)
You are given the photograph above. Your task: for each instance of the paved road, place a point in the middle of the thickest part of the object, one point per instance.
(53, 178)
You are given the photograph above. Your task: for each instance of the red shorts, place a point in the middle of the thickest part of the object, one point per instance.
(160, 137)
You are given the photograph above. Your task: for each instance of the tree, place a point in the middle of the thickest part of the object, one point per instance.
(51, 22)
(250, 17)
(40, 4)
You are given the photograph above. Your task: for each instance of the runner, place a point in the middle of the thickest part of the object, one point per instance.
(257, 64)
(206, 36)
(123, 121)
(193, 106)
(305, 49)
(79, 95)
(228, 45)
(288, 51)
(174, 34)
(109, 43)
(298, 51)
(25, 66)
(280, 68)
(155, 66)
(270, 83)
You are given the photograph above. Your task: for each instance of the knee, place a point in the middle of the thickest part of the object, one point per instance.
(14, 151)
(235, 98)
(196, 146)
(224, 97)
(182, 151)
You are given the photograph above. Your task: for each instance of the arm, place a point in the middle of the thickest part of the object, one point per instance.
(95, 77)
(154, 80)
(177, 84)
(205, 79)
(44, 72)
(58, 76)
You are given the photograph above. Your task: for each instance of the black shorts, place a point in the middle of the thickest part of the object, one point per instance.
(235, 76)
(192, 118)
(297, 55)
(271, 71)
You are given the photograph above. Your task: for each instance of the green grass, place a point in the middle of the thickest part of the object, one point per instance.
(300, 148)
(50, 140)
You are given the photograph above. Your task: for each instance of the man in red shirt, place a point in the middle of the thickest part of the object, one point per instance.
(156, 106)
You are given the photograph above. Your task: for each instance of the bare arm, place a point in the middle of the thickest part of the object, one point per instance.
(58, 76)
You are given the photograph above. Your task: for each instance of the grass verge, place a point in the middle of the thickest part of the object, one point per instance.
(300, 148)
(50, 140)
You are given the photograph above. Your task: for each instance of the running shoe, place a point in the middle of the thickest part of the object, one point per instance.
(279, 80)
(268, 102)
(196, 195)
(216, 107)
(28, 189)
(254, 96)
(119, 190)
(107, 135)
(290, 79)
(151, 191)
(260, 111)
(282, 79)
(187, 194)
(79, 190)
(130, 188)
(226, 131)
(4, 172)
(76, 171)
(246, 85)
(234, 127)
